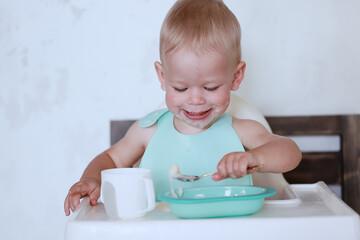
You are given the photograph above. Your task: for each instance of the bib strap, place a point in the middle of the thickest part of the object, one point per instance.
(152, 118)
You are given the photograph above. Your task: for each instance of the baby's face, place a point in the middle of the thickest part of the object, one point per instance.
(197, 87)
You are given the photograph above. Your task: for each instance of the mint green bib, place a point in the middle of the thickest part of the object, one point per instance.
(195, 154)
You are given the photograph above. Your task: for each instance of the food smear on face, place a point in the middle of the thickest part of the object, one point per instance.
(174, 172)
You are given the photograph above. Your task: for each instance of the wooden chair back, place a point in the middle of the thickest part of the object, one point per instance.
(336, 167)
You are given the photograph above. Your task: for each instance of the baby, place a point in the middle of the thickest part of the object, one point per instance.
(200, 65)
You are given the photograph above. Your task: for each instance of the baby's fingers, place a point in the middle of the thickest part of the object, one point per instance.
(221, 174)
(71, 202)
(227, 165)
(217, 177)
(75, 201)
(81, 188)
(67, 205)
(232, 165)
(94, 196)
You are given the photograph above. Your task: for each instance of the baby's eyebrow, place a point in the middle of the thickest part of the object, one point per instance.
(178, 80)
(212, 82)
(179, 84)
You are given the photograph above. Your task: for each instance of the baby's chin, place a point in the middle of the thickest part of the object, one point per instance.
(200, 124)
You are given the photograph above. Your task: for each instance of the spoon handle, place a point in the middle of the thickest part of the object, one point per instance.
(206, 174)
(255, 167)
(249, 169)
(190, 178)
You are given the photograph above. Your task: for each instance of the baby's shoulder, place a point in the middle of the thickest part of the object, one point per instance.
(152, 118)
(246, 124)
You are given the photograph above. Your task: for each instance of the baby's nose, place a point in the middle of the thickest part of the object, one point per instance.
(196, 97)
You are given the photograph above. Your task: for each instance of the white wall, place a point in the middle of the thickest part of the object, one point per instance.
(69, 67)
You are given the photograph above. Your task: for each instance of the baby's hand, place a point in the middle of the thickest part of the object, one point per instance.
(235, 165)
(86, 187)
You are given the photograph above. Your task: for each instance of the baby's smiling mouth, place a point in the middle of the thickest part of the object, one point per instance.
(197, 115)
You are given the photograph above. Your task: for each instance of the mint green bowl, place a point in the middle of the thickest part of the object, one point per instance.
(219, 201)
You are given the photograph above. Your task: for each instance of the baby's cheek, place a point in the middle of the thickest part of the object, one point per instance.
(169, 101)
(172, 98)
(222, 102)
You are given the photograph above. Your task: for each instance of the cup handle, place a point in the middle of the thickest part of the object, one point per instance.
(149, 185)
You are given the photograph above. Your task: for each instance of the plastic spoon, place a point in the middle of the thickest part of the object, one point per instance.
(192, 178)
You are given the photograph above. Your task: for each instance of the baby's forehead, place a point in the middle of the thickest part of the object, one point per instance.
(208, 66)
(199, 51)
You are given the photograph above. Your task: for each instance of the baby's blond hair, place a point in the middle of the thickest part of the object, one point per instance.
(201, 25)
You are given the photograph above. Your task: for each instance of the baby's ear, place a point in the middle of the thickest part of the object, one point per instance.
(160, 73)
(238, 75)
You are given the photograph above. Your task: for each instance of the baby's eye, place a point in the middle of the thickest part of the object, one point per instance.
(211, 88)
(180, 89)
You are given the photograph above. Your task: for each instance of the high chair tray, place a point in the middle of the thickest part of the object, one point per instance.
(319, 215)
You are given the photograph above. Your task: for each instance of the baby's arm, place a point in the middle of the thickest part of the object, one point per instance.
(124, 153)
(272, 152)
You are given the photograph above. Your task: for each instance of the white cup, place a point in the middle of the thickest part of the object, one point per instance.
(127, 192)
